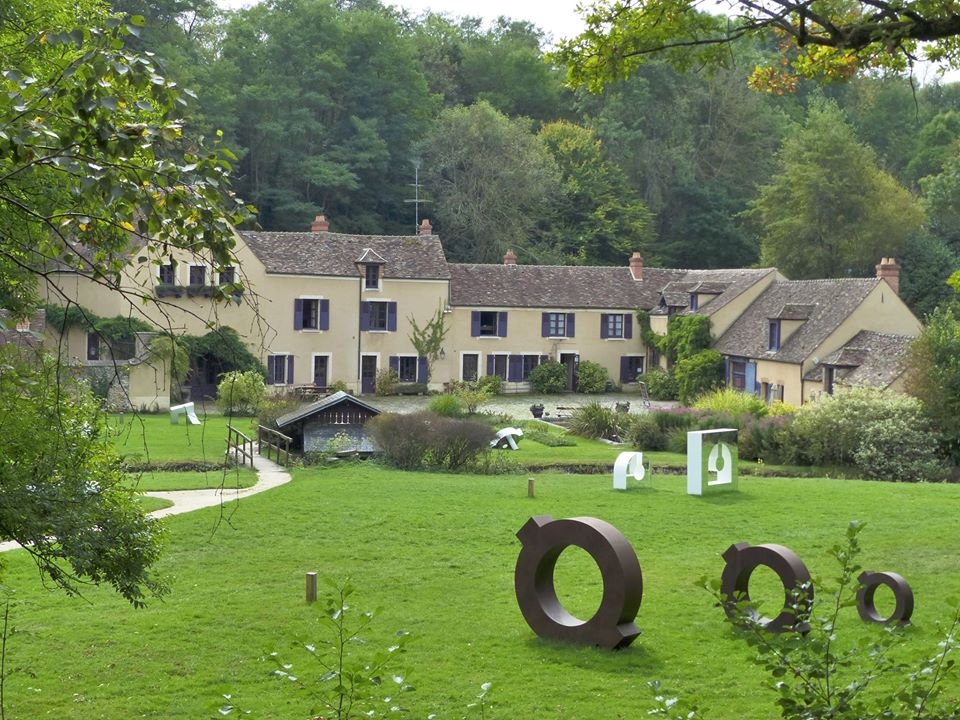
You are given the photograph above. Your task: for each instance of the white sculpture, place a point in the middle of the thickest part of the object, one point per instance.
(507, 438)
(627, 463)
(186, 409)
(717, 469)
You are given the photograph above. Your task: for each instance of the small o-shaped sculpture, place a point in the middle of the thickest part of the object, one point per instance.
(742, 559)
(544, 539)
(902, 592)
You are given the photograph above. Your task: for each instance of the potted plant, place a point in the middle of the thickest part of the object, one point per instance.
(537, 410)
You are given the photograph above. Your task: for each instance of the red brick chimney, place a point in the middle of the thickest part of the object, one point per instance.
(636, 266)
(425, 228)
(889, 270)
(510, 258)
(320, 224)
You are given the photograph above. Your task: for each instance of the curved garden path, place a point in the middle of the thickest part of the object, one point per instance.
(269, 475)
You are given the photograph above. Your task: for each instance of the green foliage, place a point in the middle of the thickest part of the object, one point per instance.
(734, 402)
(387, 381)
(491, 383)
(91, 141)
(64, 490)
(170, 350)
(933, 376)
(446, 405)
(863, 424)
(599, 218)
(941, 200)
(766, 439)
(661, 384)
(338, 386)
(351, 679)
(830, 44)
(549, 377)
(593, 420)
(926, 262)
(428, 440)
(830, 211)
(274, 406)
(698, 374)
(224, 349)
(644, 433)
(471, 395)
(240, 393)
(822, 675)
(686, 336)
(897, 449)
(428, 340)
(549, 439)
(592, 377)
(475, 160)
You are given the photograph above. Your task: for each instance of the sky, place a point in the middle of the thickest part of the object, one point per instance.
(558, 18)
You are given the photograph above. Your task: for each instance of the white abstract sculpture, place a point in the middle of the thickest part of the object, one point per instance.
(186, 409)
(627, 463)
(507, 438)
(712, 460)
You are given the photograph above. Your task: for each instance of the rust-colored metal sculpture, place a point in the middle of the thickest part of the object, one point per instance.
(902, 592)
(544, 539)
(742, 559)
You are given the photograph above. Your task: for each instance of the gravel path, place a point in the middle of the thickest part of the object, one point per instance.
(269, 475)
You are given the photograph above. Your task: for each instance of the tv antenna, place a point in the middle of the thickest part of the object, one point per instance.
(416, 194)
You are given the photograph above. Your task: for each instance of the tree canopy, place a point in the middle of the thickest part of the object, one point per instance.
(827, 39)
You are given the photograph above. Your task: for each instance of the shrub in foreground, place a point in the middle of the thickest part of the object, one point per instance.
(240, 393)
(427, 440)
(661, 385)
(645, 434)
(490, 383)
(549, 377)
(447, 405)
(595, 421)
(698, 374)
(734, 402)
(592, 377)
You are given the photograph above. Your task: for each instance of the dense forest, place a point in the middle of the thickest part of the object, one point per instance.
(331, 106)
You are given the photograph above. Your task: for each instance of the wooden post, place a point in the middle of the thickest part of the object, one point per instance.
(530, 487)
(311, 587)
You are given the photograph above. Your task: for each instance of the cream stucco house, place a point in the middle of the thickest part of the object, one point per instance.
(319, 307)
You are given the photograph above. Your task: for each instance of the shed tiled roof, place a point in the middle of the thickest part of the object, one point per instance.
(872, 358)
(829, 302)
(338, 398)
(585, 286)
(413, 257)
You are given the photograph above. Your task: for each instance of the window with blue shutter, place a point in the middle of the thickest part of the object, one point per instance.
(422, 370)
(364, 315)
(271, 360)
(395, 363)
(298, 314)
(475, 325)
(289, 369)
(751, 378)
(392, 317)
(773, 339)
(515, 368)
(545, 324)
(324, 314)
(628, 326)
(571, 317)
(604, 333)
(502, 324)
(490, 364)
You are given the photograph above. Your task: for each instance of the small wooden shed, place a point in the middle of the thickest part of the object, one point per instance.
(313, 427)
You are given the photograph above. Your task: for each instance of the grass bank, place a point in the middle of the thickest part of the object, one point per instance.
(437, 553)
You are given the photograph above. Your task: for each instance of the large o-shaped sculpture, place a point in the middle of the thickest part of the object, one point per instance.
(902, 592)
(742, 559)
(543, 540)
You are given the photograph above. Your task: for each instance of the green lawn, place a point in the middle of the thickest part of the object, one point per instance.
(155, 480)
(436, 553)
(150, 504)
(153, 439)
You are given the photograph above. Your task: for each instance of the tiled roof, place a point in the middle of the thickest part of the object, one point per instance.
(829, 303)
(585, 286)
(873, 358)
(338, 398)
(413, 257)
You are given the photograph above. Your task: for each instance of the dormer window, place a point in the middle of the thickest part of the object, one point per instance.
(694, 301)
(371, 279)
(773, 335)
